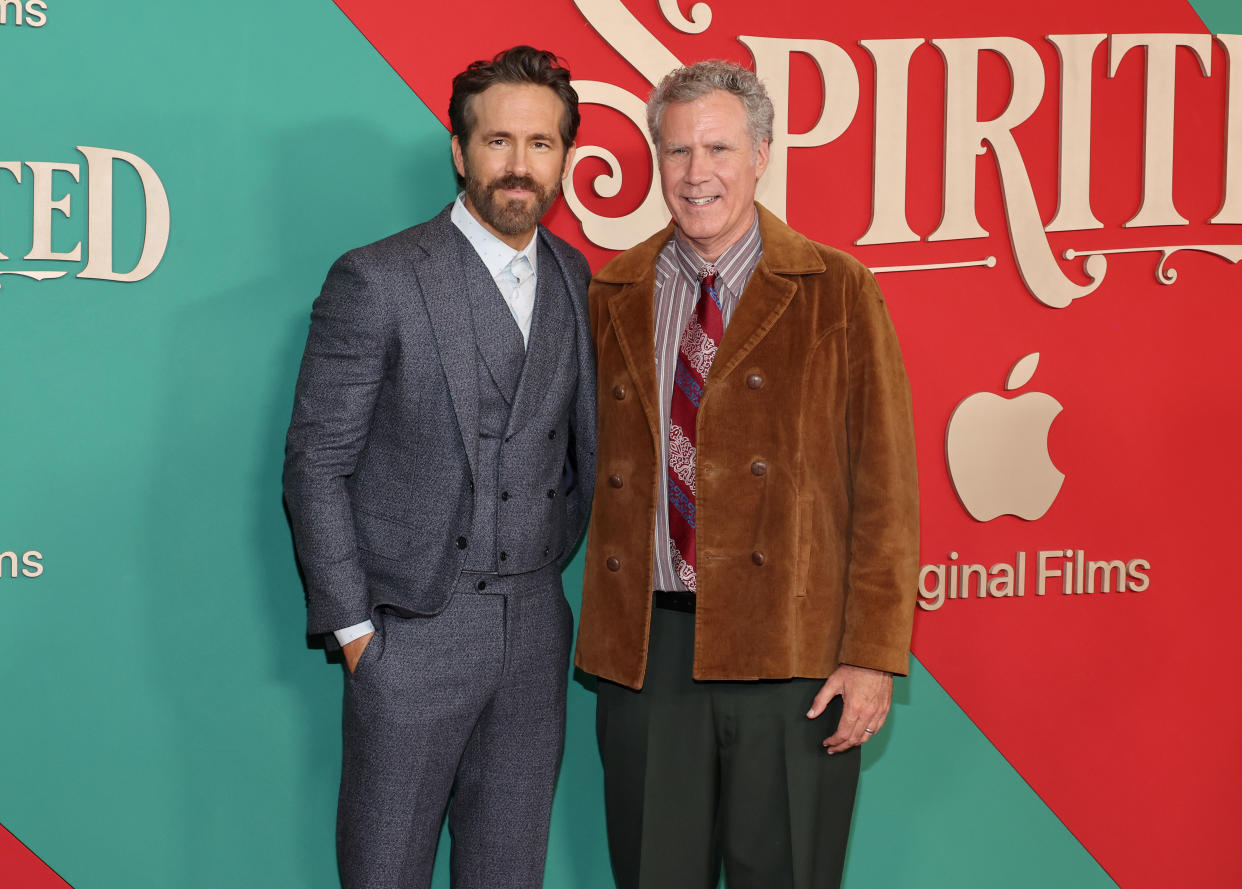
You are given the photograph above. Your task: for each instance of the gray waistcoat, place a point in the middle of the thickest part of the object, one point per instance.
(524, 398)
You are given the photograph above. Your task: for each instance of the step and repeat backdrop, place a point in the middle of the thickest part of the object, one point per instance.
(1050, 195)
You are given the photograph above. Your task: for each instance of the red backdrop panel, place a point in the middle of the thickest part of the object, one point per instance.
(21, 867)
(1117, 708)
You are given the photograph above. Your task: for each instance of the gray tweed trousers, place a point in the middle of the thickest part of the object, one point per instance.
(465, 711)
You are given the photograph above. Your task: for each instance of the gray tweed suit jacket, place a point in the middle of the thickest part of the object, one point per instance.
(382, 448)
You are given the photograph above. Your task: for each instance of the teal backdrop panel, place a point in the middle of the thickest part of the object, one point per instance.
(165, 724)
(1220, 16)
(938, 806)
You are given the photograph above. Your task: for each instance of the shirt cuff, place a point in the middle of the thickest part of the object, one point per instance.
(349, 634)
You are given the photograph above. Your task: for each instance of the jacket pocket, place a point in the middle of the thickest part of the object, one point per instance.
(382, 536)
(802, 538)
(371, 653)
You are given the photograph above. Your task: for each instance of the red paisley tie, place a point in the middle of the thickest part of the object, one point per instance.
(694, 359)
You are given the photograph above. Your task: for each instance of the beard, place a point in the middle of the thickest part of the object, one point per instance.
(509, 217)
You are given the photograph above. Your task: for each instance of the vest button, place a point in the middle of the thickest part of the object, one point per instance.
(551, 493)
(757, 557)
(461, 543)
(504, 495)
(551, 433)
(754, 381)
(618, 392)
(503, 555)
(758, 468)
(481, 585)
(613, 563)
(615, 481)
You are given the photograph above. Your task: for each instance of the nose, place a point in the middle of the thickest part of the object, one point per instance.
(518, 161)
(699, 167)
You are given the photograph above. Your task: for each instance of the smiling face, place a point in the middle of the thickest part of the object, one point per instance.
(515, 159)
(709, 167)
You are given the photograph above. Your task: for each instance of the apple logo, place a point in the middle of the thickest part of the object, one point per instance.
(997, 450)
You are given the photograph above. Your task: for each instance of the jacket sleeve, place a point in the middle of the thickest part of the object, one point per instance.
(346, 358)
(882, 577)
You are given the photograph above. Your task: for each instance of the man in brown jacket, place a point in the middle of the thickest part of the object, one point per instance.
(752, 556)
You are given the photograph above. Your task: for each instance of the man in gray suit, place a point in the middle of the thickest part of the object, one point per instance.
(438, 473)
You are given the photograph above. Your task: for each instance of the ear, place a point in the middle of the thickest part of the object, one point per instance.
(761, 158)
(568, 163)
(458, 161)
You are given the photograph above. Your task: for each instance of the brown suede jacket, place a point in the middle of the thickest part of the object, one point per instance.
(807, 497)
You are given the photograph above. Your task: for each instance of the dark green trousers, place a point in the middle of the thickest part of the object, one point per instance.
(700, 773)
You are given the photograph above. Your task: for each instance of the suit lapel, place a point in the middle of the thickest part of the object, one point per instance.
(632, 310)
(551, 338)
(768, 293)
(440, 275)
(766, 296)
(496, 334)
(772, 287)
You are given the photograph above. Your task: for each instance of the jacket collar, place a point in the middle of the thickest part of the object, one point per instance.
(785, 252)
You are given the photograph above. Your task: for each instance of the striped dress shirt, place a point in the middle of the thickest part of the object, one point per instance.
(678, 272)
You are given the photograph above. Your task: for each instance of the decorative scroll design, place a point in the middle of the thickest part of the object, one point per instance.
(626, 35)
(36, 275)
(650, 58)
(1096, 263)
(615, 232)
(986, 262)
(699, 21)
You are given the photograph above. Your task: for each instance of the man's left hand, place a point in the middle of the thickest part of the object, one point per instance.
(865, 695)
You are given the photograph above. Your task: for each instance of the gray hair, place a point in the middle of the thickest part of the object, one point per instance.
(697, 80)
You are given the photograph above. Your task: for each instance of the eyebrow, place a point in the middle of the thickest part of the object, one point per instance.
(505, 134)
(715, 143)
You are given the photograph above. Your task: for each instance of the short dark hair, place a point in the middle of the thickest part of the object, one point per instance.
(520, 64)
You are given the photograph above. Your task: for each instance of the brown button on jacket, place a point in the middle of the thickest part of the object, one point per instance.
(811, 562)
